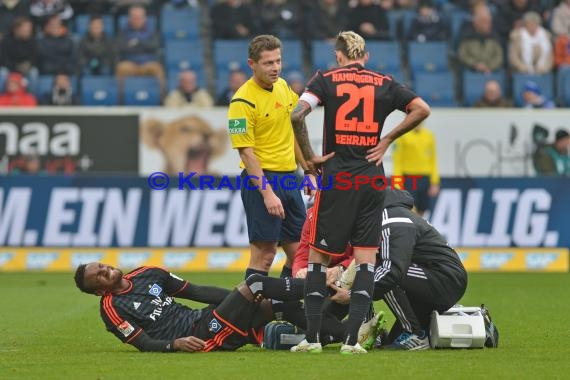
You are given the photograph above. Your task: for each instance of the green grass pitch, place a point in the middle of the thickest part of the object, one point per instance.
(49, 330)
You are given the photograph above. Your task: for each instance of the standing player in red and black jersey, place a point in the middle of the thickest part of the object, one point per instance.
(357, 102)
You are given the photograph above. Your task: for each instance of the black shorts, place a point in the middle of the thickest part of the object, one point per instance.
(261, 226)
(419, 191)
(227, 326)
(347, 216)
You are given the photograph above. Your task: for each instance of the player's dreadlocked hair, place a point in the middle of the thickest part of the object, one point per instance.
(264, 42)
(351, 45)
(80, 279)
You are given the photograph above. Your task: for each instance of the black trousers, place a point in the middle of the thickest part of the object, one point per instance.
(421, 291)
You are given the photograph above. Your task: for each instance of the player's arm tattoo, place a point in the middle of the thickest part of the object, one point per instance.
(300, 129)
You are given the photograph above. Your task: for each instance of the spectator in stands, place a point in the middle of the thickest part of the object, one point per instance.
(15, 94)
(554, 159)
(480, 50)
(96, 50)
(188, 93)
(534, 98)
(236, 79)
(562, 51)
(138, 49)
(124, 6)
(61, 94)
(329, 18)
(428, 25)
(560, 24)
(510, 14)
(233, 19)
(56, 49)
(296, 82)
(530, 49)
(42, 10)
(9, 11)
(492, 97)
(18, 50)
(369, 20)
(280, 18)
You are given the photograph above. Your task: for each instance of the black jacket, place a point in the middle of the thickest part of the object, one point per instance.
(408, 238)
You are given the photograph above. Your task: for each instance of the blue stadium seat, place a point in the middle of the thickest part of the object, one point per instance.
(3, 76)
(180, 23)
(565, 90)
(141, 91)
(150, 20)
(394, 18)
(437, 89)
(563, 85)
(230, 54)
(407, 19)
(99, 91)
(399, 76)
(45, 83)
(322, 55)
(457, 19)
(474, 84)
(545, 82)
(173, 78)
(182, 55)
(385, 56)
(428, 57)
(82, 24)
(292, 55)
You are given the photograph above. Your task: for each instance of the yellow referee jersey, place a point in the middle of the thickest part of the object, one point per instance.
(415, 153)
(261, 119)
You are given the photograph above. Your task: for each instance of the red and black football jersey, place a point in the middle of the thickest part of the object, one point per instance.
(356, 101)
(148, 305)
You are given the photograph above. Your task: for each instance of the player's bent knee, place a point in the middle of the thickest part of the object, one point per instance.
(255, 284)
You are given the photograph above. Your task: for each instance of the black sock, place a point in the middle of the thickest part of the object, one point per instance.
(315, 293)
(286, 272)
(250, 271)
(282, 289)
(360, 299)
(291, 311)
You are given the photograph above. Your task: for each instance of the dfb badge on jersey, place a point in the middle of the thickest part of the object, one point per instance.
(214, 326)
(155, 290)
(125, 328)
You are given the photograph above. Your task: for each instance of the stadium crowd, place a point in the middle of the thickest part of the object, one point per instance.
(484, 53)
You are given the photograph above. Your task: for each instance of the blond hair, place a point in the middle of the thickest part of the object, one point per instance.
(264, 42)
(350, 44)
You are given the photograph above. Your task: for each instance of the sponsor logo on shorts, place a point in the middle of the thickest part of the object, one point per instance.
(214, 326)
(155, 290)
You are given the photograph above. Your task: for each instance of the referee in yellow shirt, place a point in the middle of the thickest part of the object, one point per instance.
(260, 129)
(415, 154)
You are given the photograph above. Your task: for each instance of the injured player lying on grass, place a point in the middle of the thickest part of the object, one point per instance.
(139, 309)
